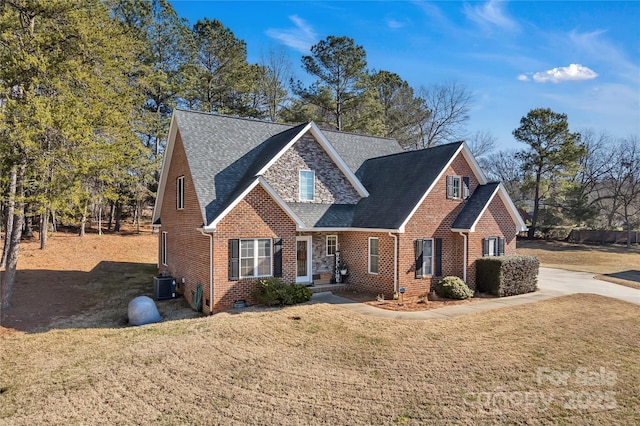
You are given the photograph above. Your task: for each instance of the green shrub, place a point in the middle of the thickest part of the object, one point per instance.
(275, 292)
(507, 275)
(453, 288)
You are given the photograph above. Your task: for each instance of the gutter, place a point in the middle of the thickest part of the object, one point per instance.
(464, 257)
(395, 262)
(202, 231)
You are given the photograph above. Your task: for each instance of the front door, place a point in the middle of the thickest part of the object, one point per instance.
(303, 260)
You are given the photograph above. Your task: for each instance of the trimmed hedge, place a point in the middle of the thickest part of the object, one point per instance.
(507, 275)
(275, 292)
(453, 288)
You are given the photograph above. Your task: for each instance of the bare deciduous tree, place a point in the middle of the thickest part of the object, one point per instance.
(448, 105)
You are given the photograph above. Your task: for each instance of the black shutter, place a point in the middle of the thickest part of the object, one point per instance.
(419, 259)
(449, 186)
(438, 257)
(277, 257)
(234, 260)
(501, 246)
(465, 187)
(485, 247)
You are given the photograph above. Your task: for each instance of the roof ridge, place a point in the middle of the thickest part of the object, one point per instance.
(416, 150)
(255, 120)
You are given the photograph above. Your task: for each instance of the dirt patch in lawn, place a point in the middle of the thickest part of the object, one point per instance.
(408, 304)
(80, 282)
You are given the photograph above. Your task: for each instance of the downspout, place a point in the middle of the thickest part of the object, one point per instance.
(464, 257)
(210, 269)
(395, 262)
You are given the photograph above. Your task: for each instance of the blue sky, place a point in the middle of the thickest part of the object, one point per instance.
(581, 58)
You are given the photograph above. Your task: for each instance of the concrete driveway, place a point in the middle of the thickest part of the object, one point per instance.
(551, 283)
(569, 282)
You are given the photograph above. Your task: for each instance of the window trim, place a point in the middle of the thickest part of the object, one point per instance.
(256, 257)
(313, 185)
(335, 249)
(451, 180)
(377, 255)
(180, 193)
(432, 257)
(498, 241)
(163, 248)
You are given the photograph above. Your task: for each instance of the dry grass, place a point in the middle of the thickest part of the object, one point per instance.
(331, 366)
(316, 363)
(614, 263)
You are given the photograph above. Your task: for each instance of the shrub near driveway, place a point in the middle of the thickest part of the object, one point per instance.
(507, 275)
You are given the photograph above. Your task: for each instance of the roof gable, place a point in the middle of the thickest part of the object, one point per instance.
(312, 128)
(225, 154)
(399, 183)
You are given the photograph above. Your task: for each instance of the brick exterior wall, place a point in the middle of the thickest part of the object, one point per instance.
(354, 250)
(256, 216)
(331, 185)
(187, 248)
(259, 216)
(433, 219)
(495, 222)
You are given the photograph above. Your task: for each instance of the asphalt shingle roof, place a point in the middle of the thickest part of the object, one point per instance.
(474, 206)
(226, 153)
(324, 215)
(396, 183)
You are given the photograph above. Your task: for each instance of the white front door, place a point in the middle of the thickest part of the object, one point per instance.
(303, 260)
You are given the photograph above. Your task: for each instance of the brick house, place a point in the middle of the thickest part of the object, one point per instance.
(240, 199)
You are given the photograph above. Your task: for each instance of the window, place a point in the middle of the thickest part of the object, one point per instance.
(307, 179)
(457, 187)
(493, 246)
(255, 258)
(180, 193)
(428, 257)
(332, 245)
(163, 249)
(373, 255)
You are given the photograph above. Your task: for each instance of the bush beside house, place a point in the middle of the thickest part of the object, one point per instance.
(453, 288)
(275, 292)
(507, 275)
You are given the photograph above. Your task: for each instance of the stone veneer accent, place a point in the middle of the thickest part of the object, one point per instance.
(331, 185)
(320, 261)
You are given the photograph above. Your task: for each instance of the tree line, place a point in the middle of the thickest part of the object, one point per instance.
(570, 179)
(87, 89)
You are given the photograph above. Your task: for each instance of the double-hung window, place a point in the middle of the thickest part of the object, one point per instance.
(307, 180)
(457, 187)
(255, 258)
(332, 245)
(373, 255)
(493, 246)
(180, 193)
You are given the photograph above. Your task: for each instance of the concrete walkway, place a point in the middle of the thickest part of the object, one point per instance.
(551, 283)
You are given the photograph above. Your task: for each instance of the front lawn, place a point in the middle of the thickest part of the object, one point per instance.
(320, 364)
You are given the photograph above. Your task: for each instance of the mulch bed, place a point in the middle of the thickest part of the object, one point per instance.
(409, 303)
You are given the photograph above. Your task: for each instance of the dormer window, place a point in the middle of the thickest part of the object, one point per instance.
(307, 185)
(457, 187)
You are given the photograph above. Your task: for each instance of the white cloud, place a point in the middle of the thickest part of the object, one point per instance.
(491, 14)
(574, 72)
(394, 24)
(523, 77)
(300, 38)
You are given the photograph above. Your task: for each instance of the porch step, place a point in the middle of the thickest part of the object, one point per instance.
(319, 288)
